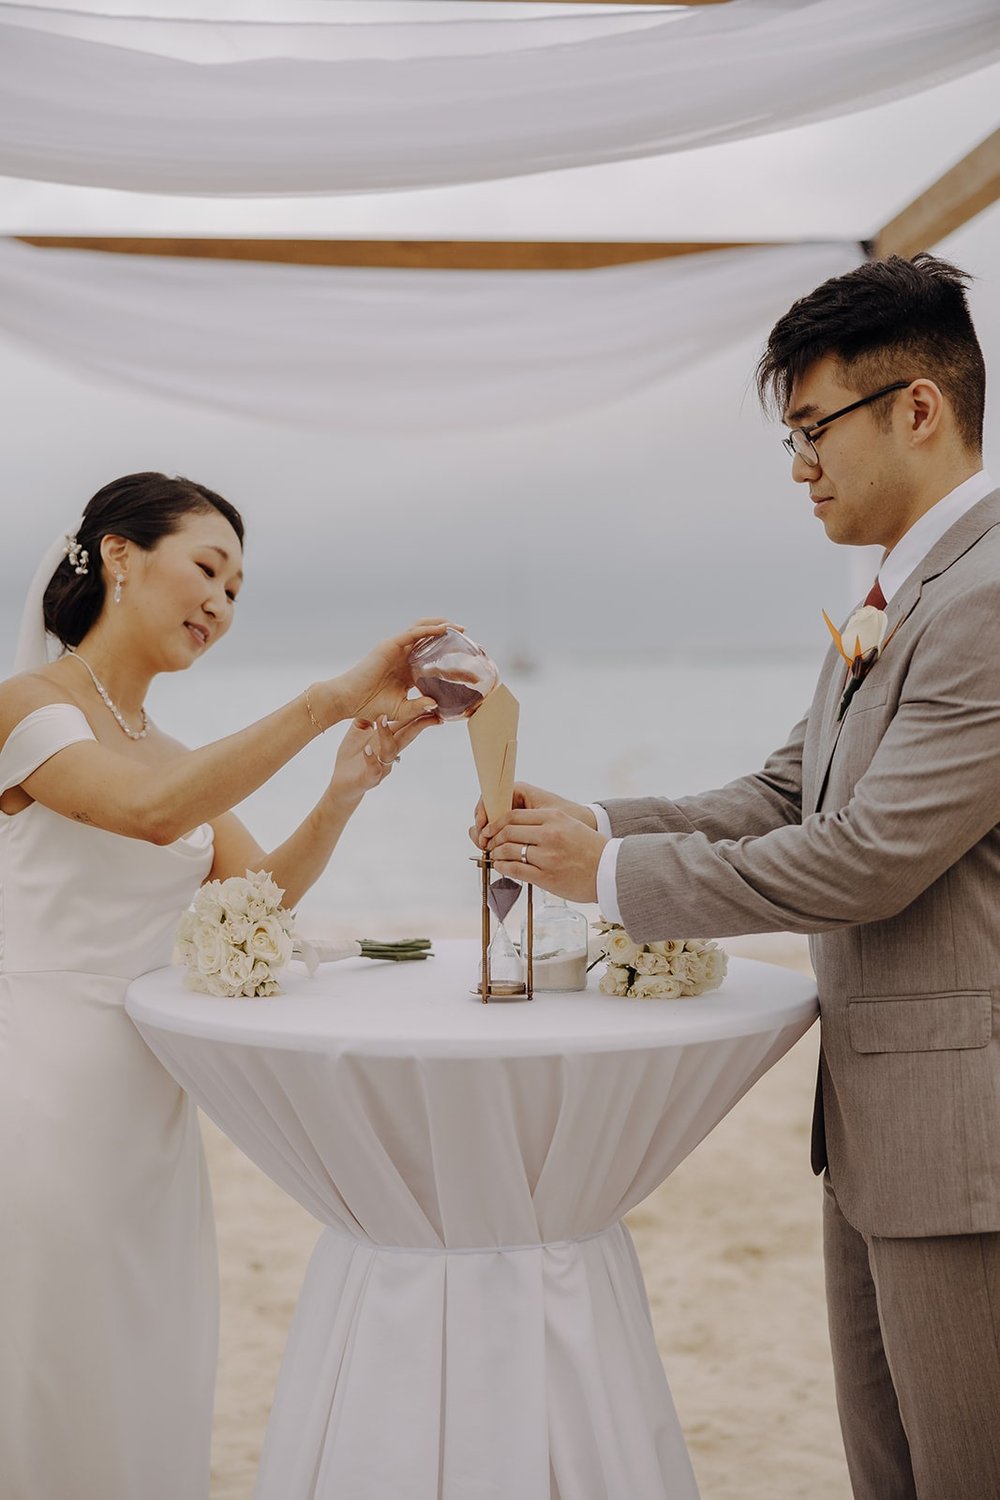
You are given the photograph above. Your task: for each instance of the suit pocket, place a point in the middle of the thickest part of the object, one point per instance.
(865, 698)
(949, 1021)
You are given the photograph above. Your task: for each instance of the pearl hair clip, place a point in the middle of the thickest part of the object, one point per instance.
(79, 557)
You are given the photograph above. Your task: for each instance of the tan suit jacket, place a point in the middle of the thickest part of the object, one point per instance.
(878, 835)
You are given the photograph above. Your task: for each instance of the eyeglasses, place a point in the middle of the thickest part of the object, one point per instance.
(800, 441)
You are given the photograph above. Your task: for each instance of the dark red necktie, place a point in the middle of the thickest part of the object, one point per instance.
(875, 596)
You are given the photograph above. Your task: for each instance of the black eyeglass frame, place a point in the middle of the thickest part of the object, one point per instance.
(806, 432)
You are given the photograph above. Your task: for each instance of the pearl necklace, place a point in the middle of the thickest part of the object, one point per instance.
(133, 734)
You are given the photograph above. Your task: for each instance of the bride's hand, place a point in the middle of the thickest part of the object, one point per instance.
(369, 750)
(378, 685)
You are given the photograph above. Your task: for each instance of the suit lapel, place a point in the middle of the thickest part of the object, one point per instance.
(899, 607)
(966, 532)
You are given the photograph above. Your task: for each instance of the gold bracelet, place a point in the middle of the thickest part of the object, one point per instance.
(315, 722)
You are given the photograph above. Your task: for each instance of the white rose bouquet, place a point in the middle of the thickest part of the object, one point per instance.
(237, 936)
(667, 970)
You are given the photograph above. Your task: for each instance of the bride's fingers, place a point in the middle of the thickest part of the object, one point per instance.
(405, 735)
(378, 761)
(374, 770)
(384, 745)
(412, 708)
(422, 629)
(414, 715)
(356, 734)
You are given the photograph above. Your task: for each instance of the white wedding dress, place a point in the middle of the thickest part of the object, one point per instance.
(108, 1283)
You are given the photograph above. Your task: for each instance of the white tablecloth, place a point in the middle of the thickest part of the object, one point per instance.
(473, 1324)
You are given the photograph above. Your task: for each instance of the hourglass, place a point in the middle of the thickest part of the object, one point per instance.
(504, 974)
(465, 683)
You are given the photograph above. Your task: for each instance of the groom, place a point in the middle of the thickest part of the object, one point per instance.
(875, 829)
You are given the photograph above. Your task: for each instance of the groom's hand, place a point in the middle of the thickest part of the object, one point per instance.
(533, 797)
(547, 847)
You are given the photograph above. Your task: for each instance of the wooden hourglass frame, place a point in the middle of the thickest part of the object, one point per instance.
(485, 864)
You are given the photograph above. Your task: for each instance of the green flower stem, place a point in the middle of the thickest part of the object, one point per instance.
(407, 950)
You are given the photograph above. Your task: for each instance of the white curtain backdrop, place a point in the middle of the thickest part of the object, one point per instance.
(337, 348)
(243, 108)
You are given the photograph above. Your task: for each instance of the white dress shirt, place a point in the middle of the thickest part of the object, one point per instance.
(897, 565)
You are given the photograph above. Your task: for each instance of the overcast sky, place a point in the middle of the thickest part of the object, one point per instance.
(667, 522)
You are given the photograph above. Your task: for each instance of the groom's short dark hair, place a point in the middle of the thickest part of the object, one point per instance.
(892, 319)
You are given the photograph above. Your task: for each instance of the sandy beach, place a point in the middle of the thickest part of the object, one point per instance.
(730, 1249)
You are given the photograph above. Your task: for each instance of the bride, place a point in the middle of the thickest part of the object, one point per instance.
(108, 1296)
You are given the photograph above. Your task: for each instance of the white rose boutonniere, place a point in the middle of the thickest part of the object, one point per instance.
(670, 969)
(861, 643)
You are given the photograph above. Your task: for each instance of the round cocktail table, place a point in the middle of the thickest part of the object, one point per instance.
(473, 1324)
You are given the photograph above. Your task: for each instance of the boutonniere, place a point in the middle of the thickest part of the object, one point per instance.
(861, 644)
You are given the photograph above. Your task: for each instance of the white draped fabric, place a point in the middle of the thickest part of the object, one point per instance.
(473, 1323)
(343, 349)
(207, 107)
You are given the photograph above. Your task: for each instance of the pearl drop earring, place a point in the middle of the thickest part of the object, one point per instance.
(119, 580)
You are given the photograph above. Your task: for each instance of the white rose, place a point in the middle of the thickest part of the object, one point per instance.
(236, 930)
(210, 948)
(266, 887)
(651, 963)
(657, 987)
(716, 965)
(208, 984)
(864, 631)
(234, 894)
(621, 949)
(208, 902)
(667, 948)
(257, 978)
(614, 981)
(257, 908)
(184, 948)
(270, 942)
(187, 927)
(236, 968)
(687, 968)
(707, 969)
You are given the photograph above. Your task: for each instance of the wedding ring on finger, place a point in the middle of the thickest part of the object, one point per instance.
(524, 854)
(388, 764)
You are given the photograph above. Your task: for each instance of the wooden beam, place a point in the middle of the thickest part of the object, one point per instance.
(964, 191)
(625, 4)
(450, 255)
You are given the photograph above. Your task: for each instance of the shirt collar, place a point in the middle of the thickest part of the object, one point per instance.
(914, 545)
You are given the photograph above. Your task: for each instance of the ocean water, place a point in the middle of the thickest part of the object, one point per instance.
(587, 731)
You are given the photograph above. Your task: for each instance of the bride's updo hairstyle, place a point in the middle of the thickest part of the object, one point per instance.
(143, 508)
